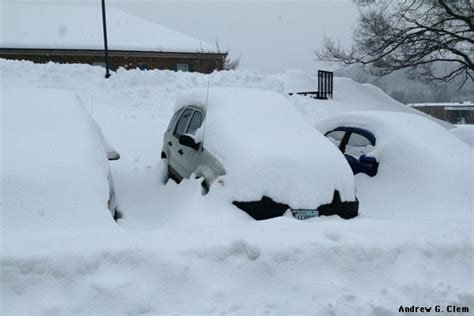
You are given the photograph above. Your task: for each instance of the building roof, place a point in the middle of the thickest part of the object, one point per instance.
(72, 26)
(443, 104)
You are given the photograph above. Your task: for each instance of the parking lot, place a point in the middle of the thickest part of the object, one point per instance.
(174, 250)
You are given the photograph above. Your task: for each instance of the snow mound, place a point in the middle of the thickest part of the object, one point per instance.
(465, 133)
(267, 148)
(277, 267)
(348, 96)
(298, 81)
(55, 168)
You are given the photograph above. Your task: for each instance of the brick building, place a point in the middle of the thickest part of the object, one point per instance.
(73, 34)
(453, 112)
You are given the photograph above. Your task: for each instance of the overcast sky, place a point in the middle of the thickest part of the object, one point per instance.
(270, 36)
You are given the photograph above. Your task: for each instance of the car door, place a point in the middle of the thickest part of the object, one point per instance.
(191, 157)
(359, 146)
(176, 159)
(338, 137)
(356, 144)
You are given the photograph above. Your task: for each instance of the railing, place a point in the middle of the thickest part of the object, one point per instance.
(325, 86)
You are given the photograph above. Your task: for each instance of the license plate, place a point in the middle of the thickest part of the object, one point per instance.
(304, 214)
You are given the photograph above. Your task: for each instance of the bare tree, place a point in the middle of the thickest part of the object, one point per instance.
(431, 39)
(231, 64)
(227, 63)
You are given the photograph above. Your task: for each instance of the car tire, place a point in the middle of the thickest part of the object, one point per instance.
(165, 172)
(205, 187)
(117, 215)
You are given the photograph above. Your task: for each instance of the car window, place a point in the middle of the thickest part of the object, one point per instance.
(358, 145)
(335, 137)
(182, 123)
(173, 120)
(195, 123)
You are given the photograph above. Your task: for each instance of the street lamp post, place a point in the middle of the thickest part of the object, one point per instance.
(106, 50)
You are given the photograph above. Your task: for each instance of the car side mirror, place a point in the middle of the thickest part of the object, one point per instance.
(368, 165)
(189, 141)
(113, 155)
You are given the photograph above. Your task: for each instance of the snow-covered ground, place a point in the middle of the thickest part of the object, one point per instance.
(174, 252)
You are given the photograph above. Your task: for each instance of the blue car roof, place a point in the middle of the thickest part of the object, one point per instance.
(361, 131)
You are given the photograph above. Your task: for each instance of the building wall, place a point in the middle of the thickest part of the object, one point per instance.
(199, 62)
(463, 116)
(435, 111)
(450, 114)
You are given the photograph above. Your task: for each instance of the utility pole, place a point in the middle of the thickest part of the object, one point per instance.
(106, 50)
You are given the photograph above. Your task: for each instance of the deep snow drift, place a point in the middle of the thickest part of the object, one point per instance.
(465, 133)
(54, 164)
(174, 252)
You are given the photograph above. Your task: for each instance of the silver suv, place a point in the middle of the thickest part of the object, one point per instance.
(253, 149)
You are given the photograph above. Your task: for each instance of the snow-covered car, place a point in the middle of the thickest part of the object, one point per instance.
(55, 170)
(253, 149)
(405, 165)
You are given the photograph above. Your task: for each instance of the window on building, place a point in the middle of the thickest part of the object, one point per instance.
(142, 66)
(98, 63)
(182, 67)
(459, 117)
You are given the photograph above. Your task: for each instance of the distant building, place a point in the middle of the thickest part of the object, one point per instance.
(73, 34)
(453, 112)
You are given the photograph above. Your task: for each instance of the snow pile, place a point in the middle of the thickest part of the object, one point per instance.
(282, 266)
(54, 165)
(70, 26)
(465, 133)
(268, 149)
(424, 172)
(348, 96)
(297, 81)
(175, 252)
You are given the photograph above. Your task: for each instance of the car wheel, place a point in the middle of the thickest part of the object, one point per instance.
(205, 187)
(165, 171)
(117, 215)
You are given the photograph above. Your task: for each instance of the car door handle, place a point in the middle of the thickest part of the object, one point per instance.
(180, 152)
(170, 143)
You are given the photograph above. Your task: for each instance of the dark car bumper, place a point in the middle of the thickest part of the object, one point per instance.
(266, 208)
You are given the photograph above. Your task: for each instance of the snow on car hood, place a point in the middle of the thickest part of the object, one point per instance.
(54, 175)
(268, 149)
(422, 167)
